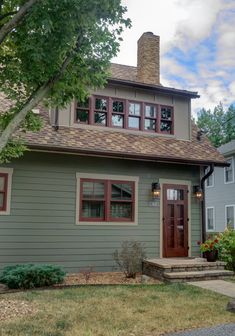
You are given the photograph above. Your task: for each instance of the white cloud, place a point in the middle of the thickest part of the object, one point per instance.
(186, 24)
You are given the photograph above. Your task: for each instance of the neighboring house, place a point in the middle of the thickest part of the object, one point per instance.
(220, 193)
(120, 166)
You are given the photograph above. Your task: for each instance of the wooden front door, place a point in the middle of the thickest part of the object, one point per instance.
(175, 220)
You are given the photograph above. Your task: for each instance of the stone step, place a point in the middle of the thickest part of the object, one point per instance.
(196, 276)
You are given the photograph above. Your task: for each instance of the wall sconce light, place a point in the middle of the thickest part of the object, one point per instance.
(156, 190)
(198, 193)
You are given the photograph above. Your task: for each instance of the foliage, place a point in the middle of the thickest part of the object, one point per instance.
(218, 125)
(227, 251)
(63, 47)
(130, 258)
(211, 244)
(31, 275)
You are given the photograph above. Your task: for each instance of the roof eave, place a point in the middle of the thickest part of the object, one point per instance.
(66, 150)
(161, 89)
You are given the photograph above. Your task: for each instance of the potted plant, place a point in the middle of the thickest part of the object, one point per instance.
(210, 248)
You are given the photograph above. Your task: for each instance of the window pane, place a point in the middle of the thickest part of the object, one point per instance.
(166, 113)
(210, 219)
(93, 189)
(100, 118)
(150, 111)
(166, 126)
(230, 216)
(121, 210)
(1, 200)
(118, 106)
(101, 104)
(82, 116)
(134, 122)
(83, 104)
(117, 120)
(92, 209)
(121, 191)
(134, 109)
(150, 124)
(2, 183)
(229, 171)
(175, 195)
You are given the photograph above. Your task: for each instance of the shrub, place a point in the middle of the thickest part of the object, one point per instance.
(130, 258)
(31, 275)
(227, 248)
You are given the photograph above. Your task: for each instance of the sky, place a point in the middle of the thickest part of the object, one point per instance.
(197, 42)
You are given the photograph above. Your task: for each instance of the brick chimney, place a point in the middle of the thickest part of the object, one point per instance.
(148, 59)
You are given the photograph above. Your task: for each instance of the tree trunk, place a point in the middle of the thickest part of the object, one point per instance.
(13, 22)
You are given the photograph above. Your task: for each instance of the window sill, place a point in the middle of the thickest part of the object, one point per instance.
(107, 223)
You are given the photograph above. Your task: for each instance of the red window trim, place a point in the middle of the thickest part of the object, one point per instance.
(107, 201)
(4, 191)
(127, 102)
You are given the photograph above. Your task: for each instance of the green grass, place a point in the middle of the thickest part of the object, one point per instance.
(117, 311)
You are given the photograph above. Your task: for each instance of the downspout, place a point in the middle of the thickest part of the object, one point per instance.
(203, 209)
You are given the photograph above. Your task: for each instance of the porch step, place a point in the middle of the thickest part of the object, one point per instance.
(197, 276)
(185, 269)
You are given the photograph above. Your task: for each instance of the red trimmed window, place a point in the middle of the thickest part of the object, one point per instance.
(3, 191)
(122, 113)
(107, 200)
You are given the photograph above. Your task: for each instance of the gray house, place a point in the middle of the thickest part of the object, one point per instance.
(121, 166)
(220, 193)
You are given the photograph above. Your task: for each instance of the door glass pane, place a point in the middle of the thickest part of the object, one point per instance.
(150, 124)
(150, 111)
(117, 120)
(121, 210)
(122, 191)
(170, 225)
(175, 194)
(134, 109)
(93, 209)
(134, 122)
(180, 225)
(93, 190)
(2, 183)
(1, 200)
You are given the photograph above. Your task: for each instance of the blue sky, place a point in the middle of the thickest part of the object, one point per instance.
(197, 45)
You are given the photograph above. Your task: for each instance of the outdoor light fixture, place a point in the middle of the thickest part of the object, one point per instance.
(156, 190)
(198, 193)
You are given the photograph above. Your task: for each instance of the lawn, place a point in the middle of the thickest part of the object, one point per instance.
(145, 310)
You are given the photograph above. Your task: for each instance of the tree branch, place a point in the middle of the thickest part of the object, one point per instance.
(13, 22)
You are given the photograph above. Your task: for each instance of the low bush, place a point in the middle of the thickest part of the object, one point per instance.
(130, 258)
(27, 276)
(227, 248)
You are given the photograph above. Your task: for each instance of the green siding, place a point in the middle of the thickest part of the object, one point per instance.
(41, 226)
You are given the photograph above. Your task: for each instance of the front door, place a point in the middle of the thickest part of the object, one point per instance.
(175, 220)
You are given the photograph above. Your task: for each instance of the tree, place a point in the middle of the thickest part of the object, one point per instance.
(218, 125)
(54, 52)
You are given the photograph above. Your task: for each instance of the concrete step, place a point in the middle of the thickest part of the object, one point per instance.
(196, 275)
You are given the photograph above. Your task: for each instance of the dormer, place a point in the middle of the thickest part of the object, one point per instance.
(134, 100)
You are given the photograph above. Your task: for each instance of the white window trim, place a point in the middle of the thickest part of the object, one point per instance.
(213, 181)
(8, 171)
(232, 171)
(210, 230)
(227, 206)
(80, 176)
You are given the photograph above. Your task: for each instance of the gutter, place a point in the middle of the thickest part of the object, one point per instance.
(203, 203)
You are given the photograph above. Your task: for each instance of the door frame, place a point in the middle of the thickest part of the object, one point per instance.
(176, 182)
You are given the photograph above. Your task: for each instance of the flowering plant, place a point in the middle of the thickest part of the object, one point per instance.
(211, 244)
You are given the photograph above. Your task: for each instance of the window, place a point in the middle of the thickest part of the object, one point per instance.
(122, 113)
(5, 190)
(210, 219)
(106, 200)
(229, 172)
(210, 179)
(230, 216)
